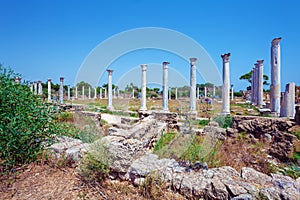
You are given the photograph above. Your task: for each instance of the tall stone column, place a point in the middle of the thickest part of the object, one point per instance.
(287, 108)
(61, 90)
(226, 85)
(35, 87)
(275, 90)
(260, 82)
(252, 86)
(193, 99)
(133, 93)
(114, 92)
(170, 90)
(105, 93)
(143, 97)
(100, 92)
(69, 95)
(176, 93)
(95, 93)
(76, 92)
(205, 91)
(214, 91)
(82, 92)
(110, 106)
(89, 92)
(49, 89)
(31, 87)
(255, 84)
(198, 93)
(165, 86)
(40, 88)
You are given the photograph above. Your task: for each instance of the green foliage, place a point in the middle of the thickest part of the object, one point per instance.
(164, 140)
(237, 94)
(153, 186)
(292, 171)
(296, 156)
(203, 122)
(224, 121)
(297, 134)
(248, 77)
(95, 164)
(26, 123)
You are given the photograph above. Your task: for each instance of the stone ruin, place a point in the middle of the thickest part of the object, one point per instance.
(129, 147)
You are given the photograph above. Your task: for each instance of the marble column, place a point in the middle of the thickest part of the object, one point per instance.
(61, 90)
(176, 93)
(31, 87)
(165, 87)
(89, 92)
(205, 91)
(198, 93)
(226, 85)
(49, 89)
(260, 83)
(287, 108)
(35, 87)
(82, 93)
(40, 88)
(105, 93)
(110, 106)
(275, 90)
(133, 93)
(95, 93)
(76, 92)
(100, 92)
(170, 90)
(214, 91)
(114, 92)
(69, 95)
(255, 84)
(143, 89)
(193, 99)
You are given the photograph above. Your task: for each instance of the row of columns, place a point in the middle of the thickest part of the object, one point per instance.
(257, 84)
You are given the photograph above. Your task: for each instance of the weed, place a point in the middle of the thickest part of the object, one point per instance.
(292, 170)
(164, 140)
(296, 156)
(153, 187)
(224, 121)
(203, 122)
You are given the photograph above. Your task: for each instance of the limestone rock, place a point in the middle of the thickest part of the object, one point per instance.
(253, 176)
(216, 132)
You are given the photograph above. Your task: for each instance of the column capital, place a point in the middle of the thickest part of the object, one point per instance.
(193, 61)
(144, 67)
(165, 65)
(225, 57)
(49, 79)
(255, 66)
(39, 81)
(61, 79)
(276, 41)
(110, 71)
(260, 62)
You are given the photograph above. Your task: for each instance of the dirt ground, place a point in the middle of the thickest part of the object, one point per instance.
(43, 181)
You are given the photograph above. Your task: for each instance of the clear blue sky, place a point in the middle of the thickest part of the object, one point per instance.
(51, 38)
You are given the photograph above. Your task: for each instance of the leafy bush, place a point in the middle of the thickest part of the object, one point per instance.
(203, 122)
(224, 121)
(25, 122)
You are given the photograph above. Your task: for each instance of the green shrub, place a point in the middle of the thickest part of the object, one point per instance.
(95, 165)
(292, 171)
(203, 122)
(164, 140)
(224, 121)
(26, 123)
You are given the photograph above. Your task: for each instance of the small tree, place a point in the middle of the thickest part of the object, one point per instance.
(26, 123)
(248, 77)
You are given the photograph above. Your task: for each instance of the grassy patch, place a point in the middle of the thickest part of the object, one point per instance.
(164, 140)
(296, 156)
(292, 171)
(224, 121)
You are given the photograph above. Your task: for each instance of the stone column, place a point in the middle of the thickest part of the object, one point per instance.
(76, 92)
(114, 92)
(275, 76)
(69, 95)
(205, 91)
(40, 88)
(260, 83)
(165, 87)
(49, 89)
(193, 99)
(287, 108)
(226, 85)
(82, 92)
(214, 91)
(105, 93)
(61, 90)
(89, 92)
(35, 87)
(143, 89)
(176, 93)
(252, 86)
(255, 84)
(133, 93)
(95, 95)
(31, 87)
(110, 106)
(100, 92)
(170, 90)
(198, 93)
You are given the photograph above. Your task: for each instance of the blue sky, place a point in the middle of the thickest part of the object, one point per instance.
(48, 39)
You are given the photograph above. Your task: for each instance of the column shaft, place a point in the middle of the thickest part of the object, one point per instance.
(193, 84)
(165, 86)
(49, 89)
(61, 90)
(226, 85)
(109, 106)
(143, 89)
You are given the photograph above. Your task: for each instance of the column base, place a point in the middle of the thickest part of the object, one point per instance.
(143, 109)
(110, 108)
(193, 114)
(225, 113)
